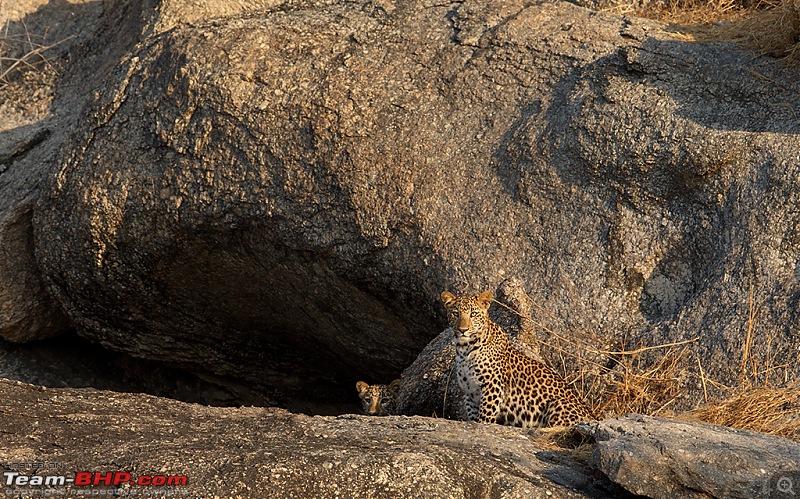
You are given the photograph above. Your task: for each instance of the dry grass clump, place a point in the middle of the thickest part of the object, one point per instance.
(770, 27)
(645, 380)
(773, 31)
(643, 386)
(755, 404)
(649, 380)
(768, 410)
(566, 440)
(687, 12)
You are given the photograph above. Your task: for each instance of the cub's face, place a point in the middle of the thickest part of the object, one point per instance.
(467, 315)
(378, 400)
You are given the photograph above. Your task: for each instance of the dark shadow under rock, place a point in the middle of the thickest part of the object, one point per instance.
(70, 361)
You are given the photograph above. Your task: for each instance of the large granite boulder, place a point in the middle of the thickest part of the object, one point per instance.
(281, 195)
(54, 55)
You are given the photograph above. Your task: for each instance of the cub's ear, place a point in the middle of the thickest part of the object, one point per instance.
(448, 297)
(362, 387)
(394, 386)
(485, 299)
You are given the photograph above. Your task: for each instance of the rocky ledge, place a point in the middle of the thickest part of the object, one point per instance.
(270, 452)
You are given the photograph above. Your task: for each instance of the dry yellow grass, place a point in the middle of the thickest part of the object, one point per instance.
(643, 387)
(774, 31)
(770, 27)
(686, 12)
(645, 380)
(649, 380)
(567, 440)
(768, 410)
(755, 404)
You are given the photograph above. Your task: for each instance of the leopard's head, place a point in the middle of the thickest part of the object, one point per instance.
(378, 400)
(467, 315)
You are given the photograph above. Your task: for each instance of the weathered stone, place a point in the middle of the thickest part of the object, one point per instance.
(167, 15)
(514, 317)
(27, 311)
(428, 387)
(268, 452)
(289, 190)
(39, 107)
(667, 458)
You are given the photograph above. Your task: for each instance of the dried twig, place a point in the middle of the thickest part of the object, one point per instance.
(33, 51)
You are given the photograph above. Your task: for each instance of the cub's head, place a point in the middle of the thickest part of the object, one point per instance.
(378, 400)
(467, 315)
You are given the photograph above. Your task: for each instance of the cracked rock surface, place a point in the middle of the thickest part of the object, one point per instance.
(269, 452)
(290, 189)
(665, 458)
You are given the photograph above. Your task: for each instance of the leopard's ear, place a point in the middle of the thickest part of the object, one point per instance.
(394, 386)
(448, 297)
(362, 387)
(485, 299)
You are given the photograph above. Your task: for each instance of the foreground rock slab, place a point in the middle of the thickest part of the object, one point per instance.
(666, 458)
(268, 452)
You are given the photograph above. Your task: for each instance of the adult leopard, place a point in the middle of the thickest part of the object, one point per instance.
(501, 384)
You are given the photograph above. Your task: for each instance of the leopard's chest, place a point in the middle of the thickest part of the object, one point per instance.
(477, 369)
(467, 372)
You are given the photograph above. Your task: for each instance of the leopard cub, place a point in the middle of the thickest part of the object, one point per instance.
(378, 400)
(500, 383)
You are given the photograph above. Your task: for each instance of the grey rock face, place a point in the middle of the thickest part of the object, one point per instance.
(26, 309)
(429, 387)
(281, 196)
(665, 458)
(267, 452)
(39, 105)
